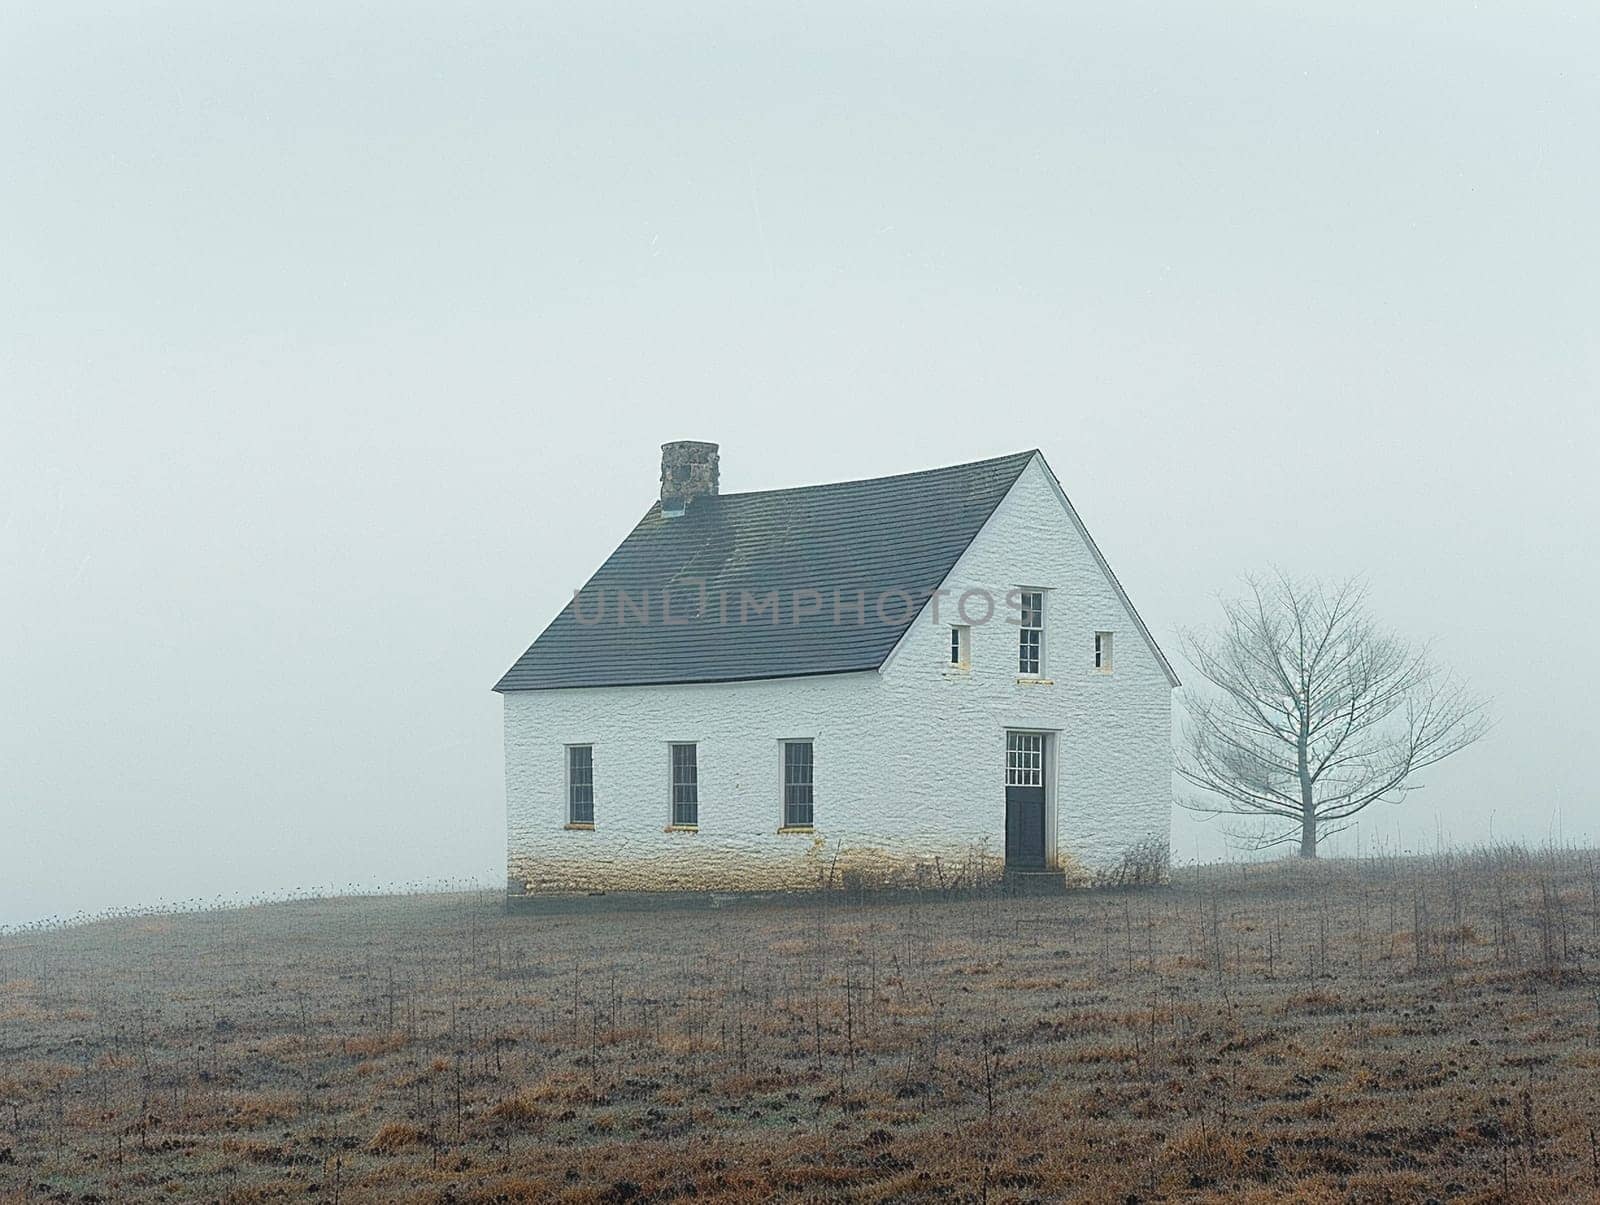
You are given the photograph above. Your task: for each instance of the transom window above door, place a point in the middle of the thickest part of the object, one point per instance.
(1024, 759)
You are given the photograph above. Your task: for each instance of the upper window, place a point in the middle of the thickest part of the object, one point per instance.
(1030, 642)
(961, 645)
(685, 786)
(797, 796)
(580, 784)
(1102, 652)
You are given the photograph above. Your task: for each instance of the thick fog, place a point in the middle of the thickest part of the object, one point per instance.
(337, 343)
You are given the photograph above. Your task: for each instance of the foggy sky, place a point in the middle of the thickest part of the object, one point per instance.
(337, 345)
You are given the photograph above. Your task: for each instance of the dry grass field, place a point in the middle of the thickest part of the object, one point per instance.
(1376, 1030)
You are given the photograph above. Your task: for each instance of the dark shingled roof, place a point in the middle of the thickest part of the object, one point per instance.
(872, 537)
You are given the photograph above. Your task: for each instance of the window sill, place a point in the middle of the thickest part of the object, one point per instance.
(681, 828)
(579, 827)
(796, 828)
(1023, 680)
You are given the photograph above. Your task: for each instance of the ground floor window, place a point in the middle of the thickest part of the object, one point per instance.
(797, 793)
(580, 784)
(685, 786)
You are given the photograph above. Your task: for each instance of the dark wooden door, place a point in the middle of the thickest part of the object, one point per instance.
(1025, 827)
(1025, 800)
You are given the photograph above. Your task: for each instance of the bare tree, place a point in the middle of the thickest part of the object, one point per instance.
(1317, 712)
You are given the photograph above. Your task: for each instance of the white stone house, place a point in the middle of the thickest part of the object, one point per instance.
(931, 678)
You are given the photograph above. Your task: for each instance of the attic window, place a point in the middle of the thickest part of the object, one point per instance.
(961, 646)
(1030, 643)
(1102, 652)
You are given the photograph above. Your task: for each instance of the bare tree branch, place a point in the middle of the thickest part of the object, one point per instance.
(1315, 713)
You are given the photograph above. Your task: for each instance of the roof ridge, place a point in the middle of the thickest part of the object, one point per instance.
(942, 468)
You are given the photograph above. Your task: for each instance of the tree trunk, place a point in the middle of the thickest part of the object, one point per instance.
(1308, 808)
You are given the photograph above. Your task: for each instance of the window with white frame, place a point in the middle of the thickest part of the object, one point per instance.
(797, 787)
(1024, 759)
(961, 646)
(1030, 641)
(1102, 652)
(685, 787)
(580, 784)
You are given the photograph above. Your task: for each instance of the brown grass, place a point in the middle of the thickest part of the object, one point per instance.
(396, 1136)
(1376, 1031)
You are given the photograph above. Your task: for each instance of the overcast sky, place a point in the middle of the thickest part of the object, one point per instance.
(337, 343)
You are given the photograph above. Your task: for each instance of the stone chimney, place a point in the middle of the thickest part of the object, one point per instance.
(688, 471)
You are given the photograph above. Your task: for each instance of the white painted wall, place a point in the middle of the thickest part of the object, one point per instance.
(909, 760)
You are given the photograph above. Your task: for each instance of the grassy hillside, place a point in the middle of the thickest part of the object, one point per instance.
(1373, 1031)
